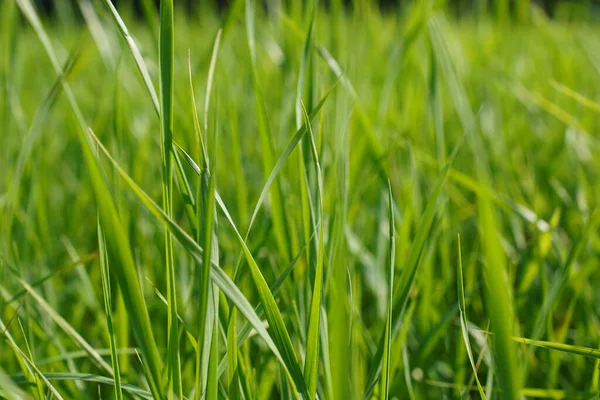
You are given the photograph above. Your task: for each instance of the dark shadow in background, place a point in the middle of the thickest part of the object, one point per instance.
(583, 8)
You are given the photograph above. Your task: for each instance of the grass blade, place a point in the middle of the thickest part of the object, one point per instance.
(463, 318)
(117, 239)
(166, 76)
(387, 341)
(217, 274)
(108, 310)
(312, 346)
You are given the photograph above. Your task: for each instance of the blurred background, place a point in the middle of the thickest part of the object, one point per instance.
(579, 9)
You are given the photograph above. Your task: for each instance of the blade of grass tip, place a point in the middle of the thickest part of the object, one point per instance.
(102, 40)
(166, 78)
(463, 318)
(409, 272)
(284, 156)
(564, 348)
(211, 74)
(217, 274)
(387, 344)
(118, 241)
(278, 165)
(135, 52)
(143, 69)
(311, 365)
(200, 146)
(108, 310)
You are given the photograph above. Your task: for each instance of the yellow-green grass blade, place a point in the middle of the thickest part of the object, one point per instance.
(166, 80)
(246, 329)
(106, 292)
(272, 312)
(217, 274)
(135, 52)
(387, 335)
(204, 326)
(39, 373)
(118, 242)
(278, 165)
(463, 318)
(312, 342)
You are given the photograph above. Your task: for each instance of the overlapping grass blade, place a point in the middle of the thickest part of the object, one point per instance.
(117, 240)
(106, 292)
(217, 274)
(67, 328)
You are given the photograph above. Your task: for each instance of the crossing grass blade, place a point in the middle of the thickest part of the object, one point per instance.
(106, 292)
(67, 328)
(217, 274)
(272, 312)
(135, 52)
(118, 243)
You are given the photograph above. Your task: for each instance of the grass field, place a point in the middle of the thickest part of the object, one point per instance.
(298, 202)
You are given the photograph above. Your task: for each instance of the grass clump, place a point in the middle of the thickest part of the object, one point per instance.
(370, 204)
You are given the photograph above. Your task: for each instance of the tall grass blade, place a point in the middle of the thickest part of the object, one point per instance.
(118, 243)
(463, 318)
(387, 341)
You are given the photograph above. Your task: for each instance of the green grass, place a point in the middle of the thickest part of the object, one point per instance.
(298, 202)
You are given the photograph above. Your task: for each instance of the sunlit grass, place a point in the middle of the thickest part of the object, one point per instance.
(316, 167)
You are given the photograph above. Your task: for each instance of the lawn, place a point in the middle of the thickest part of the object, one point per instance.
(298, 201)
